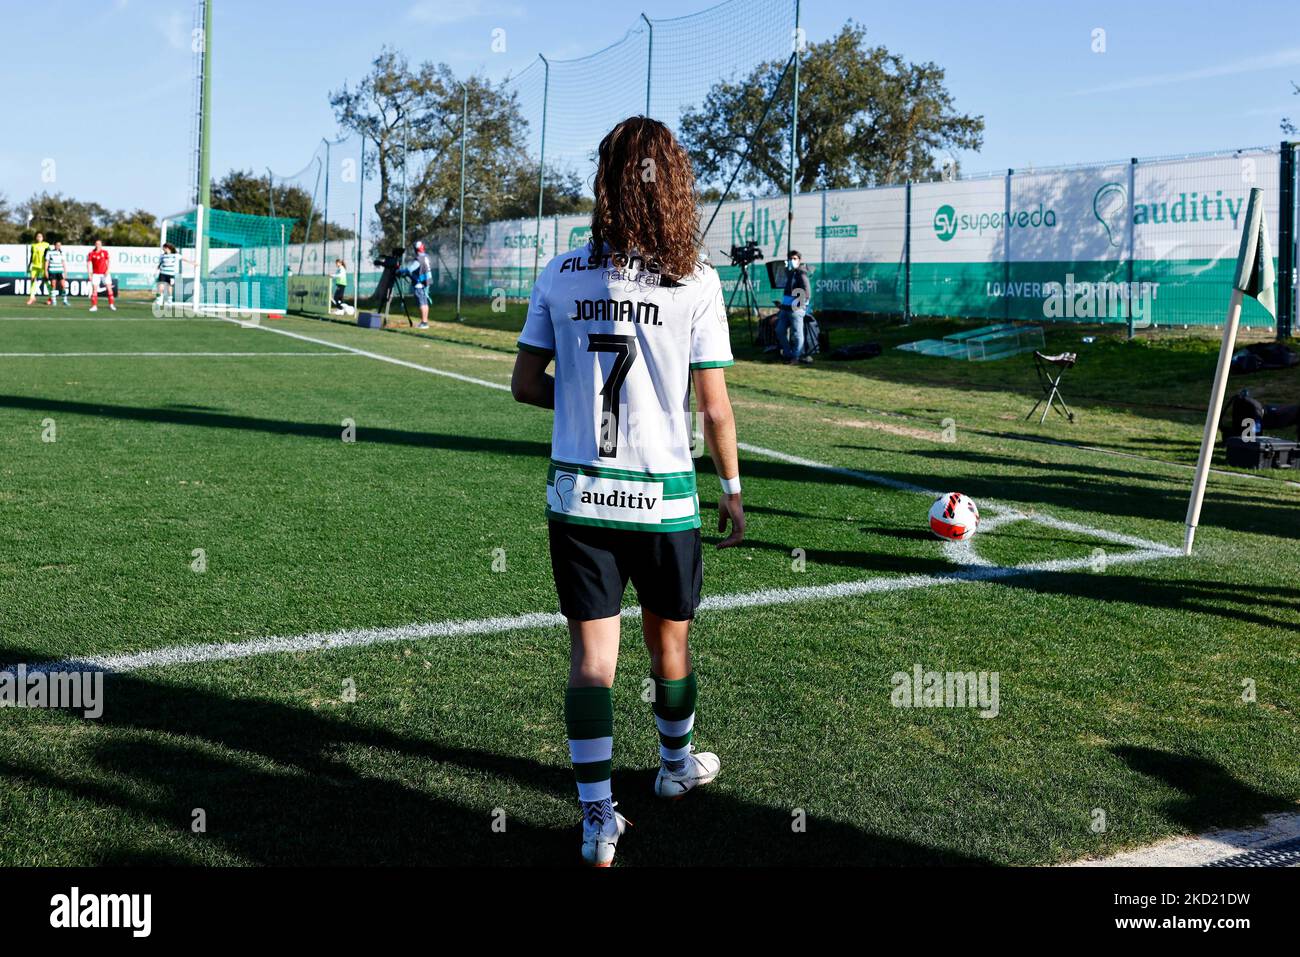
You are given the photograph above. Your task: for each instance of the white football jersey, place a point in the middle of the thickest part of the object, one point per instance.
(625, 340)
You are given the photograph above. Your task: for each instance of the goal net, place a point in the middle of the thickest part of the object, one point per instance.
(247, 263)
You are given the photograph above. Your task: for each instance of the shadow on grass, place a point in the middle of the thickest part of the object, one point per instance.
(1268, 606)
(277, 788)
(1109, 490)
(1212, 797)
(197, 417)
(864, 561)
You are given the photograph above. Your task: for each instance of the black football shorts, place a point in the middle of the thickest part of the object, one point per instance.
(592, 566)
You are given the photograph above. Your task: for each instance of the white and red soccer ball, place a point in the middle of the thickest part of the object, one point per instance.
(954, 516)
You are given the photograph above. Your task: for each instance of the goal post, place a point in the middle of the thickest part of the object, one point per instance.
(247, 260)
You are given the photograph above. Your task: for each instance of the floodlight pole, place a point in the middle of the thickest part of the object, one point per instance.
(541, 167)
(270, 190)
(199, 226)
(794, 136)
(649, 61)
(460, 251)
(204, 191)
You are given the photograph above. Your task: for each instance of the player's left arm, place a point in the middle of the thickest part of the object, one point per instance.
(718, 424)
(710, 354)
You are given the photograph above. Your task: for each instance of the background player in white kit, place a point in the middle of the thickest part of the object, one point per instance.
(632, 320)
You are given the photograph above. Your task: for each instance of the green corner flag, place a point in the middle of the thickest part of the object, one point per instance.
(1255, 258)
(1255, 279)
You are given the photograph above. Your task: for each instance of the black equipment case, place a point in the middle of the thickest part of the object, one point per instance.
(1262, 452)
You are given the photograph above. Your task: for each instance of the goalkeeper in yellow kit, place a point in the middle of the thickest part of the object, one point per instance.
(36, 267)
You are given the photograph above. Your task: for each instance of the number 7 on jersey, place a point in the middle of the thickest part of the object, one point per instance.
(624, 349)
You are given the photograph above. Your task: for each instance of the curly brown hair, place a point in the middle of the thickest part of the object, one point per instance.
(645, 197)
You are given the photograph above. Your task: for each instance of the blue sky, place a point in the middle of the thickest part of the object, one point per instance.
(105, 84)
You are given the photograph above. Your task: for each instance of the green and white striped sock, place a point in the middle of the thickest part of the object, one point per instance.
(589, 717)
(674, 708)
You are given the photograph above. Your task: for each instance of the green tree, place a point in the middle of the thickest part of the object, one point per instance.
(867, 117)
(64, 219)
(9, 229)
(1288, 127)
(139, 228)
(416, 113)
(242, 191)
(562, 194)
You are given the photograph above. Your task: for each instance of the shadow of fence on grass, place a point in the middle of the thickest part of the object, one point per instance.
(1111, 489)
(191, 416)
(1212, 796)
(277, 789)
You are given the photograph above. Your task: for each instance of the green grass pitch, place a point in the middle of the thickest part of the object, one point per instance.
(1123, 670)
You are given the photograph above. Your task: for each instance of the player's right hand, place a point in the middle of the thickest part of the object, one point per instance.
(730, 508)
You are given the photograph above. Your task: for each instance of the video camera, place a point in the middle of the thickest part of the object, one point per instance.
(392, 261)
(751, 252)
(391, 266)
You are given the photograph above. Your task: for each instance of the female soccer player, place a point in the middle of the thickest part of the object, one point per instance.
(100, 277)
(340, 287)
(632, 321)
(36, 267)
(169, 267)
(56, 274)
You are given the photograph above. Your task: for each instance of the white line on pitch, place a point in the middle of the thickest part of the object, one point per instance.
(1060, 524)
(992, 506)
(164, 355)
(105, 319)
(361, 637)
(373, 355)
(981, 572)
(1208, 848)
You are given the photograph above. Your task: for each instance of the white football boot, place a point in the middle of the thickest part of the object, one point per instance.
(699, 769)
(94, 308)
(599, 841)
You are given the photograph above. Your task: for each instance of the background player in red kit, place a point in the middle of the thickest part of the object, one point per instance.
(97, 262)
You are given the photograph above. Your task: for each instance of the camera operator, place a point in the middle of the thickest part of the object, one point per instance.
(794, 306)
(421, 272)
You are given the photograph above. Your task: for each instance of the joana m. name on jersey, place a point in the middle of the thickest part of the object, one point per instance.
(625, 339)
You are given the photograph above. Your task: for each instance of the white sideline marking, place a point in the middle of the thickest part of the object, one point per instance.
(162, 355)
(361, 637)
(974, 570)
(992, 506)
(1205, 848)
(373, 355)
(105, 319)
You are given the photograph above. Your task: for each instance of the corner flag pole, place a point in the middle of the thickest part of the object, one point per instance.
(1254, 278)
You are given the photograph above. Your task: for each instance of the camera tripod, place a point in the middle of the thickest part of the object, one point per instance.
(401, 296)
(745, 287)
